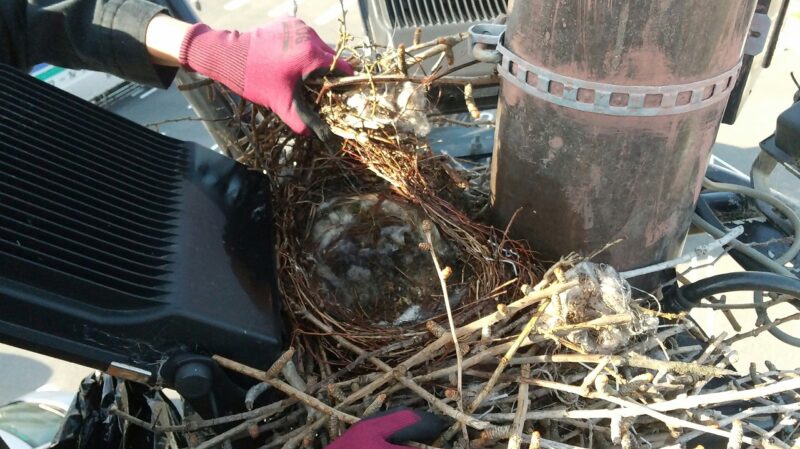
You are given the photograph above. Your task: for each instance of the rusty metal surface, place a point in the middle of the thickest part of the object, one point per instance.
(585, 179)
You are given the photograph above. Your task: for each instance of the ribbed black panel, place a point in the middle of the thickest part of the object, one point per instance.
(77, 210)
(119, 244)
(415, 13)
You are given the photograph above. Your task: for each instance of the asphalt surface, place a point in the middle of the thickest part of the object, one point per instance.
(323, 15)
(773, 94)
(167, 112)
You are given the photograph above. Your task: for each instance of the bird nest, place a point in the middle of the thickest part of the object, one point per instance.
(400, 295)
(377, 234)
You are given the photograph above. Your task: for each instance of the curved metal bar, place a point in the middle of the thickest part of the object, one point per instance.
(612, 99)
(764, 319)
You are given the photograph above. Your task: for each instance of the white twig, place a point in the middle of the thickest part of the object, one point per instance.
(654, 410)
(427, 229)
(786, 421)
(606, 413)
(589, 380)
(523, 401)
(727, 396)
(766, 410)
(737, 432)
(700, 251)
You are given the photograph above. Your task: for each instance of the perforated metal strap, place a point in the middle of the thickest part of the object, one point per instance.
(611, 99)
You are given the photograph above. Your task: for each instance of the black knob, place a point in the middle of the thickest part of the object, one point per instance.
(193, 380)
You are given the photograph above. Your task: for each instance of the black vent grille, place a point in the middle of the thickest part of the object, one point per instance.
(416, 13)
(74, 209)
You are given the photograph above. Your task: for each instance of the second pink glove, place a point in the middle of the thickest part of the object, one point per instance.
(390, 429)
(266, 66)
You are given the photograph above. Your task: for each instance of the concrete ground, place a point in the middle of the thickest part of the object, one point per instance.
(22, 371)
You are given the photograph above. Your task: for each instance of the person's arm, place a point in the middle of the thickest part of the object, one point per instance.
(267, 65)
(102, 35)
(138, 41)
(163, 39)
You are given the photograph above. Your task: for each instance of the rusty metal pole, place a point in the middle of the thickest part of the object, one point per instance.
(607, 114)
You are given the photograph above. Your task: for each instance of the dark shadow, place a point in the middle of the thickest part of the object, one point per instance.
(20, 375)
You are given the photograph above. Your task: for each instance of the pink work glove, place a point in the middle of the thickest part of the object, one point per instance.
(266, 66)
(389, 429)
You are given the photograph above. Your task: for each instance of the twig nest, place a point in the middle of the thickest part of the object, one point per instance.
(601, 293)
(368, 262)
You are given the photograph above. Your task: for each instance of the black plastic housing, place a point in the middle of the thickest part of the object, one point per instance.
(119, 244)
(787, 132)
(752, 66)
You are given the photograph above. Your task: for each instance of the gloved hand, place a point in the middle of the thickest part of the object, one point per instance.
(266, 66)
(387, 430)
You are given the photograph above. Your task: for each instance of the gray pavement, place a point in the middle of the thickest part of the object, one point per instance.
(165, 111)
(323, 15)
(22, 371)
(738, 144)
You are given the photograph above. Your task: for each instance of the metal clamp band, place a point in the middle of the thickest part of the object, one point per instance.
(483, 40)
(759, 31)
(612, 99)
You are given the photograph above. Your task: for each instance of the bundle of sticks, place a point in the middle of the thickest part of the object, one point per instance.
(566, 358)
(526, 381)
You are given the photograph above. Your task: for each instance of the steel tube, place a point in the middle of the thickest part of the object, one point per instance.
(585, 179)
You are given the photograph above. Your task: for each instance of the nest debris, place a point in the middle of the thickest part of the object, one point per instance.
(567, 358)
(602, 294)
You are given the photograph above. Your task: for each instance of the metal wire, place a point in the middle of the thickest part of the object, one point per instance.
(691, 295)
(792, 252)
(755, 305)
(752, 253)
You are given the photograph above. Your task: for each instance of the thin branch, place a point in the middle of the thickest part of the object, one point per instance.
(523, 402)
(187, 119)
(427, 230)
(259, 414)
(284, 387)
(635, 409)
(761, 329)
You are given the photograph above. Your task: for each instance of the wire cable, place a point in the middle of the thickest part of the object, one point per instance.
(792, 252)
(691, 295)
(755, 305)
(695, 292)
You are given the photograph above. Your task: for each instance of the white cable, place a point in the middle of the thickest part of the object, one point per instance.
(700, 251)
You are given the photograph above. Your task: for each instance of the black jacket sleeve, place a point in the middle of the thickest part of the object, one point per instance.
(102, 35)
